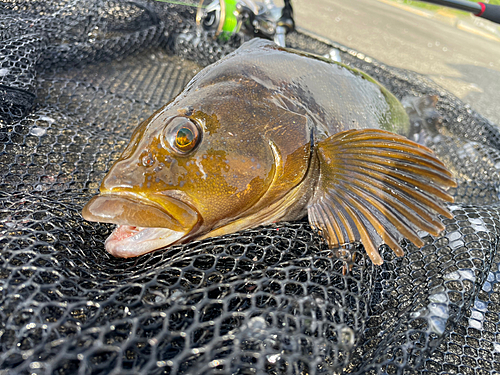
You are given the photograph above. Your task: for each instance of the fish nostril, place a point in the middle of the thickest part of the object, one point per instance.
(148, 160)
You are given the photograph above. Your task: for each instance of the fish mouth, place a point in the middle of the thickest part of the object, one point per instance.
(127, 241)
(144, 225)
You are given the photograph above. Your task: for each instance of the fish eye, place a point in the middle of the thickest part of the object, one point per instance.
(182, 135)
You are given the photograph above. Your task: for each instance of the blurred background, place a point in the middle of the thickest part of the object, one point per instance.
(455, 49)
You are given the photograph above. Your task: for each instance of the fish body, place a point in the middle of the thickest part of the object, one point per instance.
(269, 134)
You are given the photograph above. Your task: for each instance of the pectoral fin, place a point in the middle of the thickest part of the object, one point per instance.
(378, 187)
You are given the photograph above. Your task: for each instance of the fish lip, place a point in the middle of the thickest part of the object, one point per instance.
(189, 218)
(141, 241)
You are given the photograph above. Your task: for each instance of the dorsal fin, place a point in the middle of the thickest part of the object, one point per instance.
(378, 187)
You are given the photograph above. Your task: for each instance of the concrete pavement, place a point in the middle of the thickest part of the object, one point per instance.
(461, 60)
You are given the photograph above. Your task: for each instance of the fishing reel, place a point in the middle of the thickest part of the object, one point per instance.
(255, 18)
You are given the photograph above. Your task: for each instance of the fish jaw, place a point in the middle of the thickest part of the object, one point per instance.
(128, 241)
(143, 225)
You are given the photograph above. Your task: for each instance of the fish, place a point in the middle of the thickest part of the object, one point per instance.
(270, 134)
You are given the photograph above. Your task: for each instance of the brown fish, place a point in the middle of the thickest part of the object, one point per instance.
(270, 134)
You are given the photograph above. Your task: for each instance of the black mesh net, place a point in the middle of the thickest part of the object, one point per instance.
(76, 77)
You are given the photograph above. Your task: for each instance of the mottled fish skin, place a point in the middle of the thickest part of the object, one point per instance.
(238, 147)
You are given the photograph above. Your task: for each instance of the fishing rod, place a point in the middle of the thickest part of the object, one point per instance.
(487, 11)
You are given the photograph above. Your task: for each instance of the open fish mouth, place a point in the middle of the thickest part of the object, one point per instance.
(128, 241)
(143, 225)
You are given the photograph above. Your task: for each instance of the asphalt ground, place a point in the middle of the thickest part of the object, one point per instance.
(460, 57)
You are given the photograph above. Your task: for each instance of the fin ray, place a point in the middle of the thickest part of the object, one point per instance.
(401, 154)
(366, 239)
(386, 235)
(399, 201)
(415, 163)
(345, 231)
(403, 186)
(331, 221)
(375, 135)
(400, 188)
(387, 210)
(424, 185)
(378, 187)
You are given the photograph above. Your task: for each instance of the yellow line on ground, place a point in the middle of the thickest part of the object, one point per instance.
(473, 30)
(445, 13)
(459, 25)
(409, 9)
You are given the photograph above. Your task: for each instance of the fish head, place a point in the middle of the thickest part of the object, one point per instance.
(186, 170)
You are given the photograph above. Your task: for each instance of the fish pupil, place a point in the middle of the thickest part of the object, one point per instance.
(185, 137)
(181, 135)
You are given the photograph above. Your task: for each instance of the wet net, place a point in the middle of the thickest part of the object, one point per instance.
(76, 77)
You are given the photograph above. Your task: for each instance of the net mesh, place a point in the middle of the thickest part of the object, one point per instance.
(76, 77)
